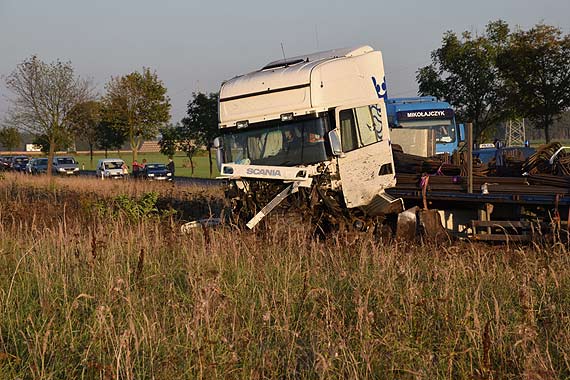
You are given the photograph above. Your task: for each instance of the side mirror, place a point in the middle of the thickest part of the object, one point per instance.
(219, 152)
(461, 132)
(334, 140)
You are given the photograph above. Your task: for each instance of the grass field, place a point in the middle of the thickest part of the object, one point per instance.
(181, 162)
(97, 282)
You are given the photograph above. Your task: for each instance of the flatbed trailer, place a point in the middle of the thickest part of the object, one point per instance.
(499, 208)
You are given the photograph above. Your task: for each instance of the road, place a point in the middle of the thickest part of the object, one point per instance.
(184, 181)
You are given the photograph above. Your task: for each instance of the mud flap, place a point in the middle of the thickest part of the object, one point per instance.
(415, 223)
(430, 227)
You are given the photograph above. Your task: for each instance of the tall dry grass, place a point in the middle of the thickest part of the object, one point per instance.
(99, 297)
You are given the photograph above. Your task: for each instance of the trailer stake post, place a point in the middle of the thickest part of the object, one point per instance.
(470, 157)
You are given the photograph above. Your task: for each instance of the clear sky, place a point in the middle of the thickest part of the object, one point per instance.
(194, 45)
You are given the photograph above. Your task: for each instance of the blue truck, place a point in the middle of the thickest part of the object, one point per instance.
(424, 113)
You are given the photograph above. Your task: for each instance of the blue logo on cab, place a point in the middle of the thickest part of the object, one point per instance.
(380, 88)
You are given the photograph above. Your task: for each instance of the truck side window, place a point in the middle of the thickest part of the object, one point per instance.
(358, 128)
(348, 130)
(365, 126)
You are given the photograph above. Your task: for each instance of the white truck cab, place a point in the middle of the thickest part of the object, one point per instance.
(310, 116)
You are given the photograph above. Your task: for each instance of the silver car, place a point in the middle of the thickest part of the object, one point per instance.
(65, 165)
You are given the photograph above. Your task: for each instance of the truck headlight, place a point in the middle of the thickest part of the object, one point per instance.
(151, 175)
(169, 174)
(61, 170)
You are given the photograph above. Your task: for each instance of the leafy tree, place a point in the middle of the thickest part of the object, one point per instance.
(169, 140)
(536, 67)
(200, 127)
(44, 95)
(10, 138)
(44, 143)
(109, 138)
(464, 73)
(180, 138)
(85, 119)
(137, 106)
(187, 144)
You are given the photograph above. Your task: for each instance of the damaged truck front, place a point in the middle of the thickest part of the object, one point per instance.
(312, 131)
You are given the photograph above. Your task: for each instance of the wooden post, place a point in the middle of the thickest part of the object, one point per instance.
(470, 157)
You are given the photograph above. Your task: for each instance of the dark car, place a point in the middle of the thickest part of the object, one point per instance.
(19, 163)
(5, 162)
(158, 172)
(37, 166)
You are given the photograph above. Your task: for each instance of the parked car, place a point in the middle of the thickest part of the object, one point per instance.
(155, 171)
(111, 168)
(18, 163)
(65, 165)
(37, 166)
(5, 162)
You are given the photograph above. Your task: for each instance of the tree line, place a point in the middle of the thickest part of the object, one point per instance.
(502, 74)
(57, 106)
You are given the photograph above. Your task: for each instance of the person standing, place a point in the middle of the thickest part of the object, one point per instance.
(125, 170)
(170, 166)
(136, 169)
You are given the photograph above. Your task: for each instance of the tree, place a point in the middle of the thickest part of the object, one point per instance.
(85, 119)
(108, 137)
(178, 137)
(200, 127)
(464, 73)
(536, 67)
(169, 140)
(138, 106)
(43, 141)
(44, 95)
(10, 138)
(187, 143)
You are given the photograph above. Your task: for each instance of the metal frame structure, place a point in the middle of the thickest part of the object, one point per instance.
(515, 133)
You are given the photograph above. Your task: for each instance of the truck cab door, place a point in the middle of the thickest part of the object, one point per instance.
(366, 165)
(461, 132)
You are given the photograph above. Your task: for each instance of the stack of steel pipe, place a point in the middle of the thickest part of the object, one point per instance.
(540, 185)
(412, 164)
(541, 178)
(539, 163)
(549, 180)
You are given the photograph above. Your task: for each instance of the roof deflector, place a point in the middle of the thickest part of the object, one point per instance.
(329, 54)
(282, 63)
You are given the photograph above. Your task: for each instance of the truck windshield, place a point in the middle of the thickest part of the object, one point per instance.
(444, 129)
(293, 143)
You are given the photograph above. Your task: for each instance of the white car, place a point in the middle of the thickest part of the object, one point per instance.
(111, 168)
